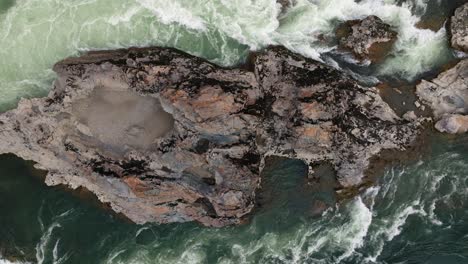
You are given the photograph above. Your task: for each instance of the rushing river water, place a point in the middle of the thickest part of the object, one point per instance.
(34, 34)
(416, 213)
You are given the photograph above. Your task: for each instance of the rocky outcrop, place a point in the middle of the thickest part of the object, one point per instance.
(453, 124)
(447, 95)
(166, 137)
(368, 39)
(459, 28)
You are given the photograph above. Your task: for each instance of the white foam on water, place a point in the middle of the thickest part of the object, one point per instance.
(55, 251)
(215, 29)
(429, 183)
(141, 230)
(193, 255)
(392, 227)
(392, 210)
(447, 181)
(125, 17)
(39, 216)
(353, 235)
(55, 254)
(369, 196)
(4, 261)
(434, 184)
(432, 215)
(41, 247)
(416, 50)
(191, 252)
(250, 22)
(339, 232)
(268, 242)
(113, 256)
(172, 12)
(65, 214)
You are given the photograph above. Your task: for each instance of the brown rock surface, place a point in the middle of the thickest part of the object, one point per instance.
(447, 95)
(453, 124)
(459, 28)
(163, 136)
(368, 39)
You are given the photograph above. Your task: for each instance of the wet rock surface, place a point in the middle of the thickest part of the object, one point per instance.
(447, 96)
(368, 39)
(453, 124)
(187, 139)
(459, 28)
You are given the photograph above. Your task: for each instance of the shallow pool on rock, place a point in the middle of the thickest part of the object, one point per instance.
(121, 119)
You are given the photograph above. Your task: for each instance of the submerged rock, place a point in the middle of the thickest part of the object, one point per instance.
(368, 39)
(285, 4)
(459, 28)
(163, 136)
(447, 95)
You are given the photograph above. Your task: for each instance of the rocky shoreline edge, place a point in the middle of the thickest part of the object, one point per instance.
(163, 136)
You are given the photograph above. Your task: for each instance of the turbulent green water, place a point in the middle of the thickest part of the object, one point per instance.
(416, 214)
(34, 34)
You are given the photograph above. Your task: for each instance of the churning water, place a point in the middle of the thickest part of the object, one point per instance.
(417, 213)
(34, 34)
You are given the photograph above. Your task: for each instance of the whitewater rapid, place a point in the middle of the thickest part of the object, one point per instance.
(34, 34)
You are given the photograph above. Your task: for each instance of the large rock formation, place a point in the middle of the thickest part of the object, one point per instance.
(447, 95)
(368, 39)
(459, 28)
(166, 137)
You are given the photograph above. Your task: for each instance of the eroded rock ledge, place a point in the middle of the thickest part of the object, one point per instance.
(163, 136)
(447, 96)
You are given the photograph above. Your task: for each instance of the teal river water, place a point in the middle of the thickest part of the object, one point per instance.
(416, 213)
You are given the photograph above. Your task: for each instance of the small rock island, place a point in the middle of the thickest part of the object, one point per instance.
(163, 136)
